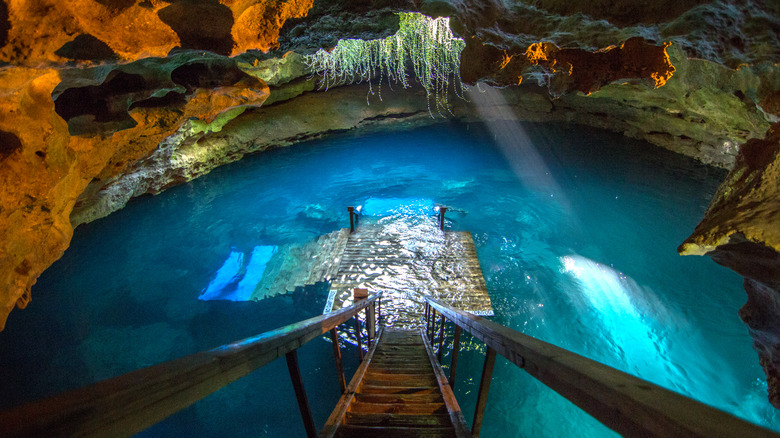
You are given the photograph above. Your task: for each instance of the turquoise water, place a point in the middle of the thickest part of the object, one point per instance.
(576, 231)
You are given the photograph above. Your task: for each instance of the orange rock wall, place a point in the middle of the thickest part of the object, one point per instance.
(48, 169)
(588, 71)
(43, 168)
(134, 30)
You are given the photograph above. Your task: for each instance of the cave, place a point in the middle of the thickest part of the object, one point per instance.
(171, 169)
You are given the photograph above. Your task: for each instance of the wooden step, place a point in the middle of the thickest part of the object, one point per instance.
(397, 408)
(398, 398)
(399, 363)
(401, 349)
(353, 431)
(398, 368)
(371, 389)
(379, 374)
(422, 381)
(391, 420)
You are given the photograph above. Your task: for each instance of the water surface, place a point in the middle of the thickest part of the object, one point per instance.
(576, 230)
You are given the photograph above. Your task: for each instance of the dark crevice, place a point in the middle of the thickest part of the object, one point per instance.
(207, 75)
(186, 18)
(102, 101)
(9, 143)
(392, 116)
(116, 5)
(86, 47)
(5, 25)
(171, 99)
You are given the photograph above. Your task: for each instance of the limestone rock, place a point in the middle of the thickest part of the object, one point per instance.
(46, 31)
(741, 230)
(581, 70)
(761, 314)
(118, 118)
(746, 208)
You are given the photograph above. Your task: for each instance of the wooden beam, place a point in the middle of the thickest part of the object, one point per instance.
(334, 337)
(300, 393)
(336, 417)
(441, 339)
(130, 403)
(625, 403)
(455, 350)
(453, 409)
(484, 387)
(357, 334)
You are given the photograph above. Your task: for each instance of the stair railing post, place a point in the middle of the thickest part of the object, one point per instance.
(442, 210)
(300, 393)
(441, 338)
(334, 337)
(357, 334)
(433, 327)
(379, 311)
(371, 321)
(484, 386)
(455, 349)
(359, 294)
(427, 311)
(368, 332)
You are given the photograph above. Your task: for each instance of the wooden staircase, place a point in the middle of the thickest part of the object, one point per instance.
(398, 391)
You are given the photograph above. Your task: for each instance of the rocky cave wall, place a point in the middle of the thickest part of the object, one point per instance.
(104, 100)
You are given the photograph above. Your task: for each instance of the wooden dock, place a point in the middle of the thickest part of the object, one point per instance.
(408, 262)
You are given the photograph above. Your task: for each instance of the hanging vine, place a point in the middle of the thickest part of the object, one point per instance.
(424, 45)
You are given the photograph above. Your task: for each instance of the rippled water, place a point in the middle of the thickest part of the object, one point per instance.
(576, 232)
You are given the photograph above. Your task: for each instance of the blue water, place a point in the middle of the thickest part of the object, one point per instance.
(576, 230)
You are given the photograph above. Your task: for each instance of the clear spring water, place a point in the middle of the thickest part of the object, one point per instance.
(576, 230)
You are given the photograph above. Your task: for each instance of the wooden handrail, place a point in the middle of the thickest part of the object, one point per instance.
(130, 403)
(625, 403)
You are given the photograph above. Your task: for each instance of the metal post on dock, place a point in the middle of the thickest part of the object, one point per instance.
(351, 211)
(442, 210)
